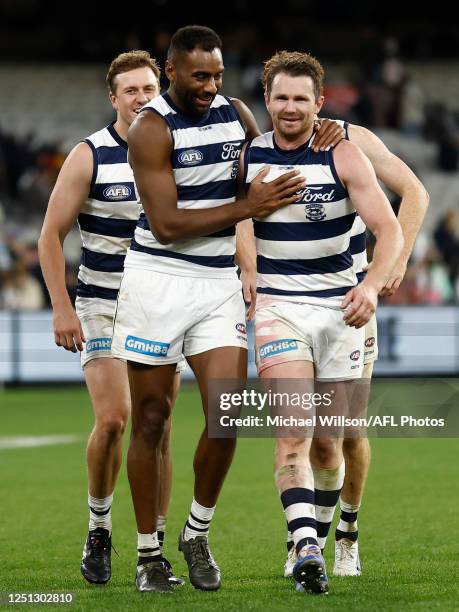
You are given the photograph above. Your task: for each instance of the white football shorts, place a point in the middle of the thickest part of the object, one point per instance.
(96, 316)
(370, 352)
(161, 316)
(291, 331)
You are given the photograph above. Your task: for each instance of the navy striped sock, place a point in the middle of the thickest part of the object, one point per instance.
(299, 511)
(328, 485)
(161, 527)
(347, 526)
(148, 548)
(198, 521)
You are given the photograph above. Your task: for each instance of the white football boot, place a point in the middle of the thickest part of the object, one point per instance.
(291, 560)
(347, 561)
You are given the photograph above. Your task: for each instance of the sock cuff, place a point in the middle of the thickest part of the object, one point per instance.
(147, 540)
(100, 503)
(345, 507)
(161, 522)
(201, 511)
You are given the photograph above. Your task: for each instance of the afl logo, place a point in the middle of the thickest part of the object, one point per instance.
(241, 328)
(369, 342)
(355, 355)
(192, 157)
(117, 192)
(314, 212)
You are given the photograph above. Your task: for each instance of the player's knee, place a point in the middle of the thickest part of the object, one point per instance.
(150, 420)
(324, 451)
(112, 425)
(150, 428)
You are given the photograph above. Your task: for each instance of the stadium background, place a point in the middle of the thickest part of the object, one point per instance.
(392, 70)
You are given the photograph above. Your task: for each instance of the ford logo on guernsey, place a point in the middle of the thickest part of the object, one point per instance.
(146, 347)
(98, 344)
(280, 346)
(117, 192)
(192, 157)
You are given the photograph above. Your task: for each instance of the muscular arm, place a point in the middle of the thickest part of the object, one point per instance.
(398, 177)
(67, 198)
(250, 123)
(150, 147)
(246, 253)
(369, 200)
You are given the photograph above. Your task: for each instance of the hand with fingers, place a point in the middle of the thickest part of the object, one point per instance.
(249, 290)
(359, 305)
(328, 134)
(68, 332)
(264, 198)
(395, 279)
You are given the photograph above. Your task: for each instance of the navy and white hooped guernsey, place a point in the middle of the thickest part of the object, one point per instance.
(108, 218)
(204, 159)
(358, 232)
(303, 250)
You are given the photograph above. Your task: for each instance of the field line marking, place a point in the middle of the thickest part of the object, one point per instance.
(8, 442)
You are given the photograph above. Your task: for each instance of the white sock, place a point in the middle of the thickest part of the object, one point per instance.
(100, 514)
(198, 522)
(148, 548)
(347, 526)
(161, 528)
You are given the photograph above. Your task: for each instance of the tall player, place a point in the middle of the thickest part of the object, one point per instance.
(306, 276)
(96, 186)
(184, 148)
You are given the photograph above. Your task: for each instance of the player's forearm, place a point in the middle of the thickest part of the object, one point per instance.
(53, 267)
(411, 215)
(389, 245)
(246, 254)
(182, 224)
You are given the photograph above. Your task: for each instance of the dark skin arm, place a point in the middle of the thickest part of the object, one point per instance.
(150, 147)
(328, 134)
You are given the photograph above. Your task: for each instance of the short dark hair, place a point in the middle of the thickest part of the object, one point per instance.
(188, 38)
(293, 63)
(130, 61)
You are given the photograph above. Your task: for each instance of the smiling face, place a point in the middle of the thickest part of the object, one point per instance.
(195, 78)
(133, 89)
(292, 105)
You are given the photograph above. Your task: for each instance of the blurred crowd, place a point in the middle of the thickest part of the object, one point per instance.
(378, 92)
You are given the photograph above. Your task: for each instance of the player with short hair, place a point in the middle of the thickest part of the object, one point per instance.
(96, 187)
(306, 276)
(330, 482)
(184, 148)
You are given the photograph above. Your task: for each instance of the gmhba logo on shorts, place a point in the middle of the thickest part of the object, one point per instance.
(117, 192)
(146, 347)
(192, 157)
(98, 344)
(280, 346)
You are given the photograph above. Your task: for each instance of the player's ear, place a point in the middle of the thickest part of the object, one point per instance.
(113, 101)
(169, 69)
(319, 103)
(266, 98)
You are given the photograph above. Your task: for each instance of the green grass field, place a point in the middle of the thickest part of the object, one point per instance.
(408, 524)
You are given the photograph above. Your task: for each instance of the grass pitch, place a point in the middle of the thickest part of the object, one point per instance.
(408, 524)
